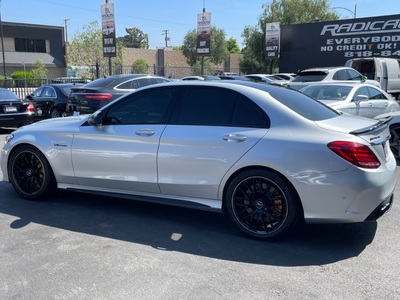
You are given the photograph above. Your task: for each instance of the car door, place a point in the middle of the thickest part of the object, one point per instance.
(210, 130)
(121, 153)
(376, 104)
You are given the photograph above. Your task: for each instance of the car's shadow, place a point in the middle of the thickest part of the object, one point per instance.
(186, 230)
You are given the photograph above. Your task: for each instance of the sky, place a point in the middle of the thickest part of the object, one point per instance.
(176, 17)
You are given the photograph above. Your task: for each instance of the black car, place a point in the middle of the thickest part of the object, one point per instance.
(94, 95)
(50, 100)
(15, 112)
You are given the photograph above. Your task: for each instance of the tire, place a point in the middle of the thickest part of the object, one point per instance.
(30, 173)
(55, 113)
(262, 205)
(395, 140)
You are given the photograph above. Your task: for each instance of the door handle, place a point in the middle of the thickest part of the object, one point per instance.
(234, 138)
(145, 132)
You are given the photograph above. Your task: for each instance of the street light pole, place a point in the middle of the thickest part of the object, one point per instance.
(354, 13)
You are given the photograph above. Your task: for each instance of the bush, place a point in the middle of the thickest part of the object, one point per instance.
(140, 66)
(6, 83)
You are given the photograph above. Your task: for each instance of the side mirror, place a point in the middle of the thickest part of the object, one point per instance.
(364, 78)
(359, 98)
(96, 119)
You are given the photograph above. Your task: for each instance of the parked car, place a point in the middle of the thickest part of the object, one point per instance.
(15, 112)
(204, 77)
(331, 74)
(359, 99)
(235, 77)
(285, 76)
(272, 79)
(94, 95)
(266, 155)
(50, 99)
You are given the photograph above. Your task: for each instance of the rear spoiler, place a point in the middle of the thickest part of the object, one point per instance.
(381, 122)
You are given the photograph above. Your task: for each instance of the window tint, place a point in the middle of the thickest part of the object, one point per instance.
(128, 85)
(341, 75)
(49, 92)
(354, 75)
(208, 106)
(146, 107)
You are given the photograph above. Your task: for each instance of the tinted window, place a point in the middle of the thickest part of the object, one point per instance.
(375, 94)
(310, 76)
(101, 82)
(145, 81)
(146, 107)
(49, 92)
(129, 85)
(218, 107)
(38, 92)
(7, 95)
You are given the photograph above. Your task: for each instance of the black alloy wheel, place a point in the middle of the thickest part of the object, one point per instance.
(261, 205)
(30, 173)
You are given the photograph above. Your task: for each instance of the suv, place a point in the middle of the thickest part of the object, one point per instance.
(331, 74)
(94, 95)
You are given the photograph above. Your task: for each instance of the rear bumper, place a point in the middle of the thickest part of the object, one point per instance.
(382, 208)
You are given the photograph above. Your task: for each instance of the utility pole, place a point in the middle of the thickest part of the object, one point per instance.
(165, 32)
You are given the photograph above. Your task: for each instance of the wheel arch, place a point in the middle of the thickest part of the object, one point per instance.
(248, 168)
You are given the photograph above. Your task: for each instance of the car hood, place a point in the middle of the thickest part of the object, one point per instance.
(55, 123)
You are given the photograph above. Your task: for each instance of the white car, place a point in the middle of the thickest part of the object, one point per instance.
(266, 155)
(331, 74)
(359, 99)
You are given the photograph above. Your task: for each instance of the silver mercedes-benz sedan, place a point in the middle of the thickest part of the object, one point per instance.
(266, 155)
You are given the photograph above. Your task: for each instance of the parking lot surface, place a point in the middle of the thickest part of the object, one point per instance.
(78, 246)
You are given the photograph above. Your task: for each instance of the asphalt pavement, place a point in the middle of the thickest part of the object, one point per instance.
(78, 246)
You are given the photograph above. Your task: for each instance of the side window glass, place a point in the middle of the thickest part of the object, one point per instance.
(206, 106)
(375, 94)
(147, 107)
(38, 92)
(353, 75)
(161, 80)
(361, 91)
(341, 75)
(49, 92)
(145, 81)
(128, 85)
(248, 114)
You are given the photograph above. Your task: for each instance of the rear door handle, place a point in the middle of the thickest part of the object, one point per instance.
(234, 137)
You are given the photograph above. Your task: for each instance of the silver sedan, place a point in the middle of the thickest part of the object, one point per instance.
(266, 155)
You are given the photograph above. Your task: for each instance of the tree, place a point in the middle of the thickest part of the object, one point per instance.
(140, 66)
(219, 48)
(136, 38)
(86, 48)
(232, 46)
(39, 71)
(285, 12)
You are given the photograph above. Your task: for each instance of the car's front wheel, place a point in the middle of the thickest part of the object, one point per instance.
(55, 113)
(262, 205)
(30, 173)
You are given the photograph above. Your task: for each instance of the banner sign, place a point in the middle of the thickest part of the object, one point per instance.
(329, 44)
(108, 28)
(272, 40)
(203, 34)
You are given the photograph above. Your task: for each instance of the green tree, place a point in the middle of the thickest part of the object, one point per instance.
(39, 71)
(86, 49)
(232, 46)
(189, 47)
(140, 66)
(136, 38)
(286, 12)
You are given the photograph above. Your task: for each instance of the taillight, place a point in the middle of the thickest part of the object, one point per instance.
(30, 107)
(100, 97)
(358, 154)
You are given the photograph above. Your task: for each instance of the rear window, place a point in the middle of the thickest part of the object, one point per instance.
(101, 82)
(310, 76)
(7, 95)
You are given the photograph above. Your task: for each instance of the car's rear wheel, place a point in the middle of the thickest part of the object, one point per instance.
(262, 205)
(30, 173)
(55, 113)
(395, 140)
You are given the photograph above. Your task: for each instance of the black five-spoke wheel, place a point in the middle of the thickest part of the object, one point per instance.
(30, 173)
(262, 205)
